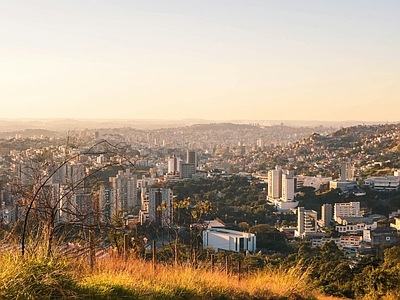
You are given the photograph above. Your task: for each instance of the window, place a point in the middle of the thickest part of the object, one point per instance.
(241, 244)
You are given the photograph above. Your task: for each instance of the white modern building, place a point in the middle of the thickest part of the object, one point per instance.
(230, 240)
(311, 181)
(343, 185)
(388, 183)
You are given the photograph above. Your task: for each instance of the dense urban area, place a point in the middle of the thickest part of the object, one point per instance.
(323, 199)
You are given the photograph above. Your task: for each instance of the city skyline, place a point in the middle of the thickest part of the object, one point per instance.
(214, 60)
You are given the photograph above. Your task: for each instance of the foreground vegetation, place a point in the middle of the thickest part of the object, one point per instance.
(115, 278)
(311, 274)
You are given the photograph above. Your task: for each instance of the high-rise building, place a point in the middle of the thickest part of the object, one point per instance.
(105, 196)
(346, 171)
(174, 165)
(124, 191)
(160, 206)
(306, 221)
(191, 157)
(281, 187)
(260, 143)
(25, 172)
(326, 214)
(70, 174)
(144, 205)
(144, 199)
(287, 188)
(275, 183)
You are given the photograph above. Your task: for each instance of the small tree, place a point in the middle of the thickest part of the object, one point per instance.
(188, 215)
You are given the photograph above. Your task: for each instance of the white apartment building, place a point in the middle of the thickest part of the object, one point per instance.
(354, 228)
(124, 191)
(281, 189)
(174, 165)
(144, 181)
(345, 241)
(275, 183)
(287, 188)
(306, 222)
(349, 209)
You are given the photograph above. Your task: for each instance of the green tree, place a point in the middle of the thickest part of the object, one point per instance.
(269, 238)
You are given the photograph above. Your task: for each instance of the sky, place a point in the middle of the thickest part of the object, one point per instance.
(215, 60)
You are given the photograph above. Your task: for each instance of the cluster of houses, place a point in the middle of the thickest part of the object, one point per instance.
(352, 231)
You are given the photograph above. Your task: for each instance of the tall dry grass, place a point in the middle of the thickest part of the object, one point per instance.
(35, 277)
(115, 278)
(169, 282)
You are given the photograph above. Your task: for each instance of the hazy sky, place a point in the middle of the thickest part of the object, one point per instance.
(320, 60)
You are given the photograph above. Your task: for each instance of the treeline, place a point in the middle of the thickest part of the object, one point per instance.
(233, 199)
(329, 269)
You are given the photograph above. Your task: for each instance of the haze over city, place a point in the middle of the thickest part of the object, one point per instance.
(216, 60)
(225, 149)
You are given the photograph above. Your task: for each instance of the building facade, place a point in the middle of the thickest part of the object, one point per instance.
(349, 209)
(326, 214)
(230, 240)
(160, 206)
(306, 222)
(124, 191)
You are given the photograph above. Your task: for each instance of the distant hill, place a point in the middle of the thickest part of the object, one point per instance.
(30, 133)
(12, 125)
(367, 138)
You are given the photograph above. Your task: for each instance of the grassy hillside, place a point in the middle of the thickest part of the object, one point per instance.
(114, 278)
